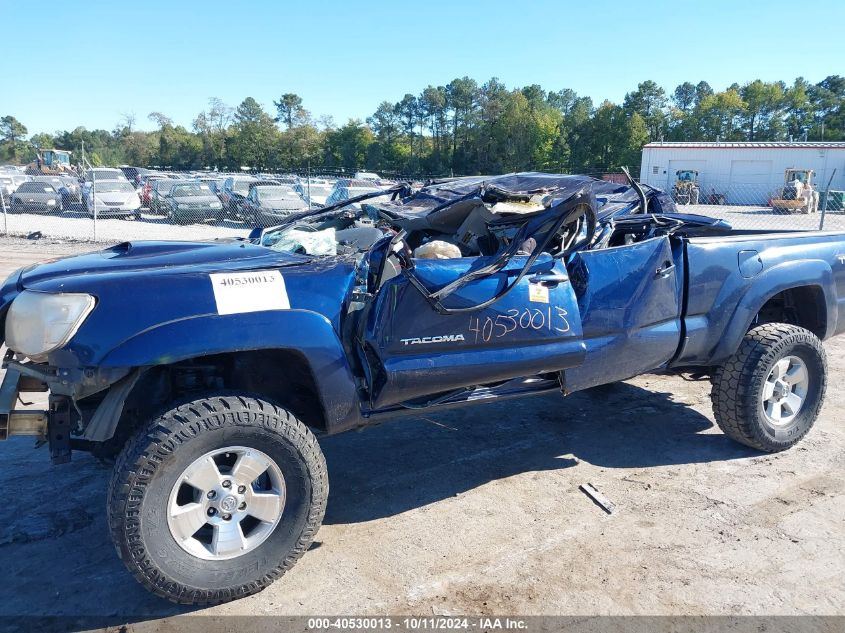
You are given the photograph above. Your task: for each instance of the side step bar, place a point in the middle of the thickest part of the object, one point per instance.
(514, 388)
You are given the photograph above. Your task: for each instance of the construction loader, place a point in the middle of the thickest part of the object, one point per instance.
(50, 162)
(798, 194)
(686, 189)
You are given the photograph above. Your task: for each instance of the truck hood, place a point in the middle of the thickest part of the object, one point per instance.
(145, 287)
(70, 273)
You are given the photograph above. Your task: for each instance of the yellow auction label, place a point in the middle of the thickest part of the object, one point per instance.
(538, 293)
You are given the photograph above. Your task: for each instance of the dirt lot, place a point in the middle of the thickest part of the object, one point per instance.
(478, 511)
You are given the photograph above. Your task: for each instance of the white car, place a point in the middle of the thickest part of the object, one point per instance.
(346, 188)
(9, 181)
(366, 175)
(114, 198)
(318, 188)
(104, 173)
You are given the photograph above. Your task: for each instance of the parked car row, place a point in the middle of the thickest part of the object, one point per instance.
(20, 191)
(263, 199)
(102, 190)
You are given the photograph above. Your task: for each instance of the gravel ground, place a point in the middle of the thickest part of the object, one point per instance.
(759, 217)
(76, 225)
(478, 511)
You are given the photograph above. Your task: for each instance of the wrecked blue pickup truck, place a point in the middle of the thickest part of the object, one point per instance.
(208, 370)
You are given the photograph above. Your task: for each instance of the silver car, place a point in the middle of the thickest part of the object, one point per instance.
(104, 173)
(115, 198)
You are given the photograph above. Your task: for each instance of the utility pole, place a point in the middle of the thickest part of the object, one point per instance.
(90, 167)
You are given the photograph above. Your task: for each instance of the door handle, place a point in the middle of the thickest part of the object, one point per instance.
(664, 271)
(548, 279)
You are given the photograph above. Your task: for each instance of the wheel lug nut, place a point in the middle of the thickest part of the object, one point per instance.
(241, 490)
(211, 494)
(242, 506)
(211, 512)
(226, 517)
(227, 484)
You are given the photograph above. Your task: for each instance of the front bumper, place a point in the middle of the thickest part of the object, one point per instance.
(37, 207)
(52, 425)
(197, 214)
(103, 211)
(14, 422)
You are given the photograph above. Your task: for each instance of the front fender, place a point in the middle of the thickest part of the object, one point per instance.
(784, 276)
(306, 332)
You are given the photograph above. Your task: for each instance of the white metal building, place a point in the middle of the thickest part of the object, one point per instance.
(746, 173)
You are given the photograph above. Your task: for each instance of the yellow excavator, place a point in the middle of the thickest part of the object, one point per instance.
(798, 194)
(50, 162)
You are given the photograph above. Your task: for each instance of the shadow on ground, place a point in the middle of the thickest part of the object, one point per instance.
(58, 559)
(414, 462)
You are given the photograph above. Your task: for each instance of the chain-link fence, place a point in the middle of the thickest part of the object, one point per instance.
(115, 204)
(799, 204)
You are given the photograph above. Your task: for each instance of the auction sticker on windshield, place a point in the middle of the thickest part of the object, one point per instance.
(254, 291)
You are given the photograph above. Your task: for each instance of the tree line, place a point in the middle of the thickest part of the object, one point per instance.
(463, 128)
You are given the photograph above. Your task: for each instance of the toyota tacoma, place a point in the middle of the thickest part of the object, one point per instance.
(208, 371)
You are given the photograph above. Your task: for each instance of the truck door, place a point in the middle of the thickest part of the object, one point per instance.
(414, 350)
(629, 299)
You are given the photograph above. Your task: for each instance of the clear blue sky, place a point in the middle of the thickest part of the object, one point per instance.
(72, 63)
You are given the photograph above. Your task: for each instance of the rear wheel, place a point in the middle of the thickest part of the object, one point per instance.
(217, 498)
(769, 394)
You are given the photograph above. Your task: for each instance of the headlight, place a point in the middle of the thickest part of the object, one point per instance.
(39, 322)
(51, 202)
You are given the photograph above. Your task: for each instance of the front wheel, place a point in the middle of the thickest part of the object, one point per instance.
(217, 498)
(694, 196)
(768, 395)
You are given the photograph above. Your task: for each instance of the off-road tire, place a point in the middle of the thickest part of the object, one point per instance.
(155, 458)
(737, 386)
